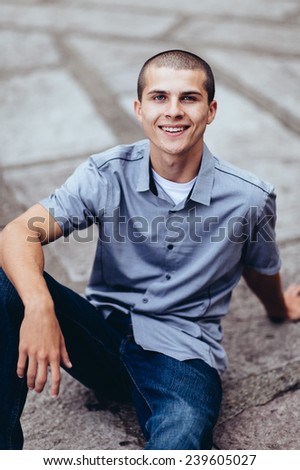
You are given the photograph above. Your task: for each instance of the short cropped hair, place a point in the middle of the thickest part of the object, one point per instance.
(179, 60)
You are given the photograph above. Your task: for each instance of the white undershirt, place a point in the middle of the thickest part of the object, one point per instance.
(177, 191)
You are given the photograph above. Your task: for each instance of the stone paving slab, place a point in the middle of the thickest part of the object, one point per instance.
(30, 183)
(266, 9)
(118, 70)
(32, 110)
(273, 80)
(8, 209)
(89, 20)
(253, 142)
(21, 51)
(273, 38)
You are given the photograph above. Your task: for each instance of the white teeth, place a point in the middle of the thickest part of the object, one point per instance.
(173, 129)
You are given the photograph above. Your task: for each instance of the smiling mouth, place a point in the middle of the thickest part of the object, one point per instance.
(173, 130)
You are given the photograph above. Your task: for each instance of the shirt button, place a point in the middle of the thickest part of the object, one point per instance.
(168, 277)
(145, 301)
(170, 247)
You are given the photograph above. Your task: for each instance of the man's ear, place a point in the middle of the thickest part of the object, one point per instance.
(138, 110)
(212, 111)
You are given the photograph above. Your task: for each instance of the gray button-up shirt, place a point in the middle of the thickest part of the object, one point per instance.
(171, 267)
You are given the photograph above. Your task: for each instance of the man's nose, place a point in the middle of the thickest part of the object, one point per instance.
(174, 109)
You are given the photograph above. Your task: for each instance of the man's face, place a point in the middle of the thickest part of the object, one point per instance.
(174, 111)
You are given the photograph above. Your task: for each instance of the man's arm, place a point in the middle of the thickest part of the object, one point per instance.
(280, 305)
(21, 256)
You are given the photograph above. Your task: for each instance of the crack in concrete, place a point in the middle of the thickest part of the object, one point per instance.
(258, 389)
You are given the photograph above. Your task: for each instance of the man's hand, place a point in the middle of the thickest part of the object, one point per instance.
(292, 301)
(21, 255)
(279, 305)
(41, 345)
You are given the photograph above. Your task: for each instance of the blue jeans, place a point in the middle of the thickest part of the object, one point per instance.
(177, 403)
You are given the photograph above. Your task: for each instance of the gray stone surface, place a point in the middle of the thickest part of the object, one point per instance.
(45, 110)
(266, 9)
(270, 78)
(77, 420)
(67, 86)
(275, 38)
(91, 19)
(264, 427)
(21, 51)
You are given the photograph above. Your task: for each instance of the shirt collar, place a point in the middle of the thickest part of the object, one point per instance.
(202, 190)
(143, 182)
(203, 185)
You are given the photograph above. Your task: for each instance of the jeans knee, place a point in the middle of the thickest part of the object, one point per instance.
(191, 423)
(182, 428)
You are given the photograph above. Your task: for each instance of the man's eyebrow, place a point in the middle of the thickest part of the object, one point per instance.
(165, 92)
(191, 92)
(158, 92)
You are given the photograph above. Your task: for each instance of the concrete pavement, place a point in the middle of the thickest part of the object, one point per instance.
(67, 84)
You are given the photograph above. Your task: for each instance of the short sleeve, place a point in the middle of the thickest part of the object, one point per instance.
(76, 204)
(261, 251)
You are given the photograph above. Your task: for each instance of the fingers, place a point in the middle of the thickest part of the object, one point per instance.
(37, 371)
(55, 379)
(38, 378)
(21, 366)
(55, 369)
(65, 356)
(37, 374)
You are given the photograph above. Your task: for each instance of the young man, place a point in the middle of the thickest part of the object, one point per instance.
(177, 229)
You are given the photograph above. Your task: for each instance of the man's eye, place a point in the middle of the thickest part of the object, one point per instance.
(159, 98)
(188, 98)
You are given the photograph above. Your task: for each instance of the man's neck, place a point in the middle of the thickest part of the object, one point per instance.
(176, 168)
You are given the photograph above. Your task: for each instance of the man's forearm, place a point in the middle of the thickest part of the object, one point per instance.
(21, 252)
(269, 291)
(22, 258)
